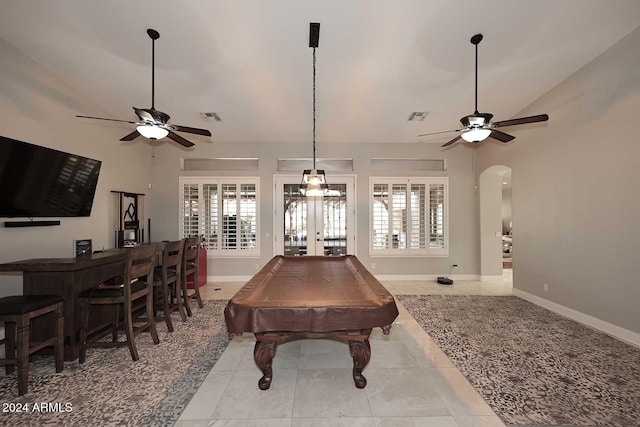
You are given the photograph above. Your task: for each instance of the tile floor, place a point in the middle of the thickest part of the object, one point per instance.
(410, 382)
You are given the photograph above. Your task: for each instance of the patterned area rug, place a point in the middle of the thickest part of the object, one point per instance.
(111, 389)
(532, 366)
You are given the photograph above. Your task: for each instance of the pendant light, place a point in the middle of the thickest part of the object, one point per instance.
(314, 182)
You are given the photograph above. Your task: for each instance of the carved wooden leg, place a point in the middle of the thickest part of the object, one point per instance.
(263, 354)
(361, 353)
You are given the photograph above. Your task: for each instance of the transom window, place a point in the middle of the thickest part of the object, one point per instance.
(409, 216)
(223, 212)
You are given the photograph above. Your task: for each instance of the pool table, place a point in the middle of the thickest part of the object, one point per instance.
(294, 297)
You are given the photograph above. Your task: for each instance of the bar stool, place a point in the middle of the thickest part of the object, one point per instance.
(16, 313)
(190, 260)
(121, 295)
(167, 280)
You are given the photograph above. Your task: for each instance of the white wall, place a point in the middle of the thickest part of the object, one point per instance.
(37, 108)
(576, 190)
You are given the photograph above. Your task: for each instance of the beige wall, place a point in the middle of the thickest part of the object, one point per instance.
(575, 196)
(36, 107)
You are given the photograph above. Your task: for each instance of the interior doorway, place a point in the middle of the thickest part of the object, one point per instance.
(307, 226)
(496, 237)
(507, 223)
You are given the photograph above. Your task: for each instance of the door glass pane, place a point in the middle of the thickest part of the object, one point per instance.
(295, 220)
(335, 220)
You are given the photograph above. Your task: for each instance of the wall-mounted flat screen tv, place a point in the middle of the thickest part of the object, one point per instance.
(41, 182)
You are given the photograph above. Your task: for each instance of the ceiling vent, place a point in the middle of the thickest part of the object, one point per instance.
(211, 117)
(417, 116)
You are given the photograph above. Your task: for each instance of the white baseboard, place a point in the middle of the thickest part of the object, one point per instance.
(228, 278)
(606, 327)
(394, 277)
(491, 277)
(426, 277)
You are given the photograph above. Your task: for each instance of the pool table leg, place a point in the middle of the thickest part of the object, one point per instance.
(361, 353)
(263, 354)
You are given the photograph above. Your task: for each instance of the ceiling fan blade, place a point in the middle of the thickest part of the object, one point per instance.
(187, 129)
(457, 138)
(438, 133)
(180, 140)
(501, 136)
(521, 121)
(110, 120)
(133, 135)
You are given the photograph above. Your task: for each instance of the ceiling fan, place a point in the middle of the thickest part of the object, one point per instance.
(154, 124)
(477, 126)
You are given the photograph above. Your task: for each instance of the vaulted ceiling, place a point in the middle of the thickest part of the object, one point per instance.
(377, 62)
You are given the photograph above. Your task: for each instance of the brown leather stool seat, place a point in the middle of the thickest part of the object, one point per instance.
(16, 313)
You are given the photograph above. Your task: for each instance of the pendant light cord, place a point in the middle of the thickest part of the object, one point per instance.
(314, 108)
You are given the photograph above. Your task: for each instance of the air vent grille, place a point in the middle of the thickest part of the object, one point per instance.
(417, 116)
(211, 117)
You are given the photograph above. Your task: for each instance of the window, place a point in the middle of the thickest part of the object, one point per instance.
(223, 212)
(409, 216)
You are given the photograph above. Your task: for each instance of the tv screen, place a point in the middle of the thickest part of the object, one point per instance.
(41, 182)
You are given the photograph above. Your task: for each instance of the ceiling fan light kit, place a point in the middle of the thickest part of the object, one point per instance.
(477, 127)
(476, 135)
(154, 124)
(314, 181)
(152, 131)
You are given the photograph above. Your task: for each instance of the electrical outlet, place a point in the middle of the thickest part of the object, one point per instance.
(545, 287)
(257, 266)
(373, 266)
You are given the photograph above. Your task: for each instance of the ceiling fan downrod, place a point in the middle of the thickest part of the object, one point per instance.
(154, 35)
(476, 41)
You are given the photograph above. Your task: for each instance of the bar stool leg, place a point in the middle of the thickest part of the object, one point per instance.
(23, 353)
(128, 328)
(10, 345)
(196, 287)
(59, 345)
(152, 320)
(185, 297)
(179, 299)
(84, 325)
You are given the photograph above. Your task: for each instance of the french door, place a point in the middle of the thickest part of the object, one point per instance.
(323, 225)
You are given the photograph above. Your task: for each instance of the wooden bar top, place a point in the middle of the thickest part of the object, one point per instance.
(66, 264)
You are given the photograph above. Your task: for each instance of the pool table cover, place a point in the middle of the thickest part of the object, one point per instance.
(311, 294)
